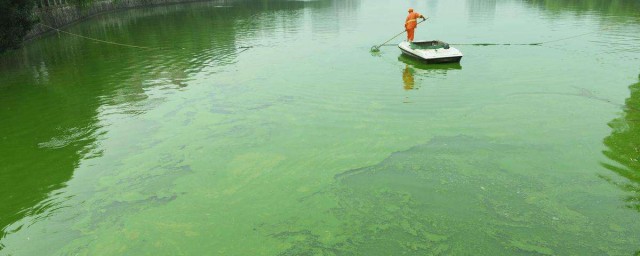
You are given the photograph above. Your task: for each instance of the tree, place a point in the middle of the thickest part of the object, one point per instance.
(16, 19)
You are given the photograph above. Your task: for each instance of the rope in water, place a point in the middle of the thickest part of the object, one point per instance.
(374, 48)
(125, 45)
(532, 44)
(495, 44)
(98, 40)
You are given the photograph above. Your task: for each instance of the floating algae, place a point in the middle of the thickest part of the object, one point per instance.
(426, 200)
(456, 196)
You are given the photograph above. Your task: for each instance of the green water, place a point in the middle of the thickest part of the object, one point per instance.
(309, 144)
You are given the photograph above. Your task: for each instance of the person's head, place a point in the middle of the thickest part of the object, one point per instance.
(410, 10)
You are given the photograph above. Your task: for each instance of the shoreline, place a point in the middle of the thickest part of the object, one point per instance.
(63, 16)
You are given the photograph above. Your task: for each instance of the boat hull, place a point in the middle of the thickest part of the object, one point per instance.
(432, 56)
(434, 60)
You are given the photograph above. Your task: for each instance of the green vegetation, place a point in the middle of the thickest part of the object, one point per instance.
(623, 147)
(16, 19)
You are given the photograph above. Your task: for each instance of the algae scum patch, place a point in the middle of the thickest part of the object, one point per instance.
(457, 195)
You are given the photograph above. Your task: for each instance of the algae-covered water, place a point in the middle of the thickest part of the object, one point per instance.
(269, 128)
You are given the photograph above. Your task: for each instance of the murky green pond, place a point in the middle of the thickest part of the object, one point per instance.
(268, 128)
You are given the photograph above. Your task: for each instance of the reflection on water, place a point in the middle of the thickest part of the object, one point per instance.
(432, 7)
(623, 147)
(45, 132)
(75, 86)
(414, 68)
(629, 8)
(481, 10)
(443, 68)
(407, 77)
(332, 10)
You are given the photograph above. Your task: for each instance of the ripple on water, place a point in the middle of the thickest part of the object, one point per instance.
(619, 41)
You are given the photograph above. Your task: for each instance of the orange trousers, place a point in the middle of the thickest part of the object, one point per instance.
(410, 33)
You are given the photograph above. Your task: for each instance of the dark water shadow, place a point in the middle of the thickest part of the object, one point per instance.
(623, 147)
(45, 134)
(51, 96)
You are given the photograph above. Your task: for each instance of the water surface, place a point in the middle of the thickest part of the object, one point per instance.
(268, 128)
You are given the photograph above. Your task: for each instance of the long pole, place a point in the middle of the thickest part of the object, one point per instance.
(376, 48)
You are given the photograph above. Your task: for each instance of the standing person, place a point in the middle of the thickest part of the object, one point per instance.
(411, 23)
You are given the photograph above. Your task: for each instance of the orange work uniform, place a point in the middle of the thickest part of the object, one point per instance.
(411, 24)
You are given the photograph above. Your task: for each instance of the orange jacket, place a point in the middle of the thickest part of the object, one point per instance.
(412, 20)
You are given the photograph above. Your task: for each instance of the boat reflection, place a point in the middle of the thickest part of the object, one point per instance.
(417, 68)
(623, 147)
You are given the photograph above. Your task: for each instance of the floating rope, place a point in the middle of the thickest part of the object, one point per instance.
(494, 44)
(530, 44)
(376, 48)
(244, 48)
(98, 40)
(566, 38)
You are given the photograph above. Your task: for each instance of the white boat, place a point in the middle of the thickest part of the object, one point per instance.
(431, 51)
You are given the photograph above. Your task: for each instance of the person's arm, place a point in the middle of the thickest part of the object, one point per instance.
(423, 18)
